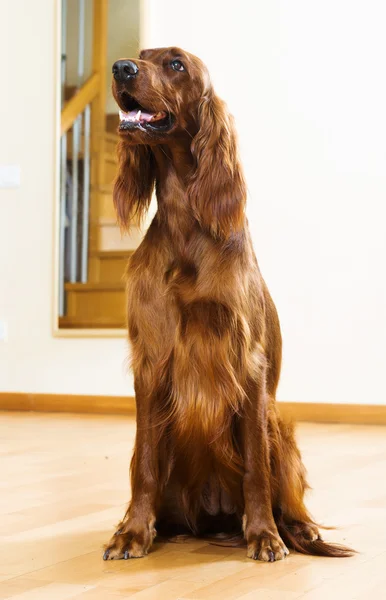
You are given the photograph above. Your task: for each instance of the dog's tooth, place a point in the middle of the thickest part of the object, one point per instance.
(138, 115)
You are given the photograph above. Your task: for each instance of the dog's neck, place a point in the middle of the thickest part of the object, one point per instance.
(173, 160)
(174, 168)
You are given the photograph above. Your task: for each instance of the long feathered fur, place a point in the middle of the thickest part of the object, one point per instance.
(217, 188)
(132, 195)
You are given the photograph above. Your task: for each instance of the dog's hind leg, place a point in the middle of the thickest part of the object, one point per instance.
(288, 483)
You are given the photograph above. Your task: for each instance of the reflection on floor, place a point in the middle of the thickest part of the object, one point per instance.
(64, 486)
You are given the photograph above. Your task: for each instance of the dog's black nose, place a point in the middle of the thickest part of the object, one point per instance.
(124, 69)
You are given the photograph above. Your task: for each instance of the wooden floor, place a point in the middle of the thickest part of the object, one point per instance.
(64, 486)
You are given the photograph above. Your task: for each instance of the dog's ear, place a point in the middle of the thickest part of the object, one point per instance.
(217, 189)
(134, 184)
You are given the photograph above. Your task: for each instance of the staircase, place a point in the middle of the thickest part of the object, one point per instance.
(92, 251)
(100, 303)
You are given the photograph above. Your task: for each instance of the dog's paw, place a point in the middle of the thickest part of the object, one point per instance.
(129, 542)
(266, 546)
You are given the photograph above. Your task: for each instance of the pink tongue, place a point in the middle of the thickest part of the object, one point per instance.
(152, 116)
(141, 116)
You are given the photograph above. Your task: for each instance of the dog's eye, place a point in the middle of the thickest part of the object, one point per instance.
(177, 65)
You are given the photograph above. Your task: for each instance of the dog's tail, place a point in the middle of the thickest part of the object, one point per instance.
(293, 539)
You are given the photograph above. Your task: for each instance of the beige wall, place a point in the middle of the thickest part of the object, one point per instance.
(304, 81)
(32, 359)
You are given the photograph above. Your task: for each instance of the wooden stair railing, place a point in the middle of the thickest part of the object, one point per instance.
(76, 105)
(94, 89)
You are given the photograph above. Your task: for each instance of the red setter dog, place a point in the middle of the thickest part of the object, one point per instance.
(212, 456)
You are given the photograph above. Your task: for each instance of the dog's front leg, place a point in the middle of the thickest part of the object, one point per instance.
(136, 532)
(263, 539)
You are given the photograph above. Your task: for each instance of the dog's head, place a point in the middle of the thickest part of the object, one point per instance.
(164, 96)
(158, 94)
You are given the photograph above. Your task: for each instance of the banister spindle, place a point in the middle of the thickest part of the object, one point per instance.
(63, 166)
(86, 195)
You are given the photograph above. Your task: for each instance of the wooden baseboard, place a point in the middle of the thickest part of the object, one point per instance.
(115, 405)
(372, 414)
(125, 405)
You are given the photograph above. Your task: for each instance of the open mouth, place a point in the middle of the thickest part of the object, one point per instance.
(135, 116)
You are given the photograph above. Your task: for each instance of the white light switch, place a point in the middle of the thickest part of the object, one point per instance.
(10, 176)
(3, 331)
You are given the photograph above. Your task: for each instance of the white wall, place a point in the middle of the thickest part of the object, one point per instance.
(306, 83)
(33, 360)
